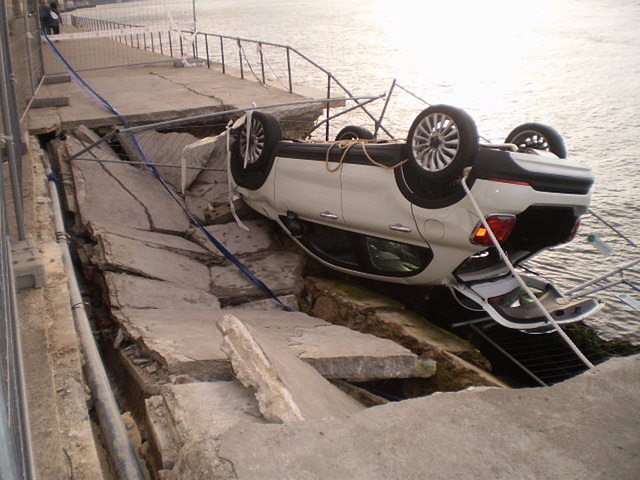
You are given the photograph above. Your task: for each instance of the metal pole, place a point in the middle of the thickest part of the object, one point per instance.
(224, 69)
(384, 109)
(240, 54)
(264, 81)
(28, 44)
(508, 355)
(115, 433)
(289, 70)
(206, 45)
(326, 134)
(630, 242)
(12, 136)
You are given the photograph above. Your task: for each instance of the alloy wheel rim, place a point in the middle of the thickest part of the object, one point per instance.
(531, 139)
(436, 142)
(256, 139)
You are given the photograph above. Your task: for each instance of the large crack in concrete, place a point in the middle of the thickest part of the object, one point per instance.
(186, 87)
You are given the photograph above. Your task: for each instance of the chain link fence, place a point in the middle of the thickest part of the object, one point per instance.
(21, 72)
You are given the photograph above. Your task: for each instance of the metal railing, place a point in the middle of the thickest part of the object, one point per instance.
(21, 71)
(230, 55)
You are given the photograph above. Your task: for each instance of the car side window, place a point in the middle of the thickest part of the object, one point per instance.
(364, 253)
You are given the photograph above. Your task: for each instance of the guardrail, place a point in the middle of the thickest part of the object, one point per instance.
(228, 53)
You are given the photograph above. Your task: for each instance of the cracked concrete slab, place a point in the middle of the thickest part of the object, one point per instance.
(187, 423)
(280, 271)
(131, 291)
(334, 351)
(133, 196)
(287, 389)
(165, 149)
(121, 254)
(172, 243)
(260, 237)
(100, 197)
(184, 342)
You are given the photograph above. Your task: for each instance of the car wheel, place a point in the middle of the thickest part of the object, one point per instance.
(353, 132)
(537, 136)
(442, 141)
(265, 133)
(252, 154)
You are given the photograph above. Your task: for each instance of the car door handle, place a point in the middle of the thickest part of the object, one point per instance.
(329, 215)
(399, 228)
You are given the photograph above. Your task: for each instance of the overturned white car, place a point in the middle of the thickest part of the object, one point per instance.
(397, 211)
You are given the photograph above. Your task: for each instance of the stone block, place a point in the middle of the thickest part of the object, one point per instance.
(287, 389)
(185, 342)
(45, 102)
(28, 268)
(334, 351)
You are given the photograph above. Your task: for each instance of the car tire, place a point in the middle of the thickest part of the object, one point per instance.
(537, 136)
(442, 142)
(250, 166)
(353, 132)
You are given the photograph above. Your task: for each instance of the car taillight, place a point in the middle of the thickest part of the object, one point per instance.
(574, 232)
(501, 225)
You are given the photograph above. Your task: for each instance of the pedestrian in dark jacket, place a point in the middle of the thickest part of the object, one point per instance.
(50, 18)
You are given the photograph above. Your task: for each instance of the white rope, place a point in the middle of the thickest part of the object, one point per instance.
(232, 195)
(525, 287)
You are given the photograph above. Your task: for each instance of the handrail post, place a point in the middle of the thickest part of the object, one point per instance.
(264, 81)
(194, 46)
(240, 55)
(160, 41)
(289, 69)
(206, 46)
(170, 45)
(224, 68)
(328, 106)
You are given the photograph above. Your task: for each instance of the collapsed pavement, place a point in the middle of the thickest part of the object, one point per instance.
(183, 326)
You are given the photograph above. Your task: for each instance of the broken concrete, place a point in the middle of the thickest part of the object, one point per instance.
(163, 149)
(286, 388)
(186, 425)
(183, 342)
(586, 427)
(130, 291)
(280, 271)
(172, 243)
(335, 352)
(123, 254)
(260, 237)
(116, 193)
(460, 365)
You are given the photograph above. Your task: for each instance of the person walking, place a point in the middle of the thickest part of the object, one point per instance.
(50, 18)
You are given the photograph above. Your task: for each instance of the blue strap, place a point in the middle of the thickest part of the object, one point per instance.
(228, 255)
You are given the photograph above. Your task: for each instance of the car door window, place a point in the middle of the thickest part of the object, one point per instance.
(364, 253)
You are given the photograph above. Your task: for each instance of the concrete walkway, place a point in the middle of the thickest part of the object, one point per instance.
(149, 92)
(585, 428)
